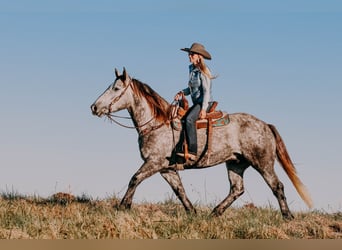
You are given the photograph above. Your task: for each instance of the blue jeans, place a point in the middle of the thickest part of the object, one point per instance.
(190, 127)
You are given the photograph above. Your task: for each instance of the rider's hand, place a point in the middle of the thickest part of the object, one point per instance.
(178, 96)
(202, 114)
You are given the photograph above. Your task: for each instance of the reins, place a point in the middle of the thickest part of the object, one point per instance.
(110, 117)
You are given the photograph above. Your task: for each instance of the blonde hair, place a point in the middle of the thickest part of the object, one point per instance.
(204, 68)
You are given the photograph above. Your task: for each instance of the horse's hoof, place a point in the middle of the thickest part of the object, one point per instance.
(117, 207)
(122, 207)
(216, 213)
(191, 211)
(288, 216)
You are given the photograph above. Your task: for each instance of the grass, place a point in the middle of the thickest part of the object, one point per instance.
(63, 216)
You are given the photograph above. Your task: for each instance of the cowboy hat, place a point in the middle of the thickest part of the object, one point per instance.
(198, 49)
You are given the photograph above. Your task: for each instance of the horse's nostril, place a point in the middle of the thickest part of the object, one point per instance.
(93, 108)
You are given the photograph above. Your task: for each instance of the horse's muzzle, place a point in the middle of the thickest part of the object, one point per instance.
(98, 111)
(93, 109)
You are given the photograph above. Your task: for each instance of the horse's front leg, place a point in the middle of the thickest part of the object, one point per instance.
(172, 177)
(147, 169)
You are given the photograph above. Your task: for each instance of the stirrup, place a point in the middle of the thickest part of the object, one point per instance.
(186, 156)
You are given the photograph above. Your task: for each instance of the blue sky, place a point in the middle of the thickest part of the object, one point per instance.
(278, 60)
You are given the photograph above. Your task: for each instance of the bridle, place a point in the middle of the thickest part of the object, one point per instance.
(111, 116)
(116, 99)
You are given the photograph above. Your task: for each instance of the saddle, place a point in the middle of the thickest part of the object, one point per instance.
(214, 118)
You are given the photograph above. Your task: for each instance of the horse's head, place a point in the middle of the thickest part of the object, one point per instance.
(115, 97)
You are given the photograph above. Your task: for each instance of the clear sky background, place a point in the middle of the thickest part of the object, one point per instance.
(278, 60)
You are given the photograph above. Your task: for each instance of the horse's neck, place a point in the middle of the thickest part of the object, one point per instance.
(141, 114)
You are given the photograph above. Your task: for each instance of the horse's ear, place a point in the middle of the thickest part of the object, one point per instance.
(117, 73)
(124, 73)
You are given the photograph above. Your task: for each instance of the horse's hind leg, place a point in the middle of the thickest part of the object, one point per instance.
(235, 176)
(172, 177)
(277, 188)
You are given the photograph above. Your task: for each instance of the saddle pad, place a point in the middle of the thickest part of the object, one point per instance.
(203, 123)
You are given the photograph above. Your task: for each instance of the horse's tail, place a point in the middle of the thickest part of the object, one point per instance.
(286, 163)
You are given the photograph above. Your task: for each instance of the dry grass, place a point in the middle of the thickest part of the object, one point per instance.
(68, 217)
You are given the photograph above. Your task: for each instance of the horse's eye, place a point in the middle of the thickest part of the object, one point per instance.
(116, 89)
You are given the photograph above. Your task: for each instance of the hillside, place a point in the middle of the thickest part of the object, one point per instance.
(64, 216)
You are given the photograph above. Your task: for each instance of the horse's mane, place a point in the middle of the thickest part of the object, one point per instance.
(158, 105)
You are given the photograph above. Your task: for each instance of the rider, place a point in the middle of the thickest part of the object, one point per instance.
(199, 87)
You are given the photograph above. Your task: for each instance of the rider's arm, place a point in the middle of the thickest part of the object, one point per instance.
(206, 85)
(186, 91)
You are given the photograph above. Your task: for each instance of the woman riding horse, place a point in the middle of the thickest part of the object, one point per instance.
(199, 87)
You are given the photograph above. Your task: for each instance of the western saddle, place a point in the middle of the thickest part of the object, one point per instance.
(214, 118)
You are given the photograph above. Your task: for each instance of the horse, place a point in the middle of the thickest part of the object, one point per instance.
(246, 141)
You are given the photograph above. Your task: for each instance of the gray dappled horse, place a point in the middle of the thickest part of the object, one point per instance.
(245, 141)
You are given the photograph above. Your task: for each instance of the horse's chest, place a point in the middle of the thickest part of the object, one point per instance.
(155, 145)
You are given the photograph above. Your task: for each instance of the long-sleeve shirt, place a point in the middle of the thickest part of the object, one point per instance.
(199, 87)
